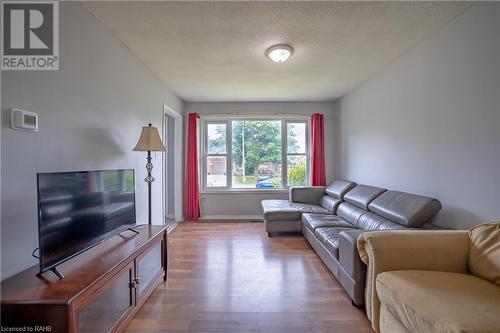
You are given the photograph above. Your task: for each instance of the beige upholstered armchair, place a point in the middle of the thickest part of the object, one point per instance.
(429, 281)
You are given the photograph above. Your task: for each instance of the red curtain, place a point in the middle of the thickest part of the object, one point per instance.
(318, 150)
(192, 193)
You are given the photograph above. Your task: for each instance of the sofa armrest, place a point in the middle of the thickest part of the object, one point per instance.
(306, 194)
(409, 250)
(348, 255)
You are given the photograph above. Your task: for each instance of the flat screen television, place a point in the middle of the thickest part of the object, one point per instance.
(77, 210)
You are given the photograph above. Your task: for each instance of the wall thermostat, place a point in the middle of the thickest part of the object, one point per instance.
(23, 120)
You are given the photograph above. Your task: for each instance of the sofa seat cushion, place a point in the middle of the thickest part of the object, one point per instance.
(308, 208)
(313, 221)
(428, 301)
(280, 210)
(329, 237)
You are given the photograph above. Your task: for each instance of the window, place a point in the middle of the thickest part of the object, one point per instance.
(216, 148)
(296, 154)
(254, 153)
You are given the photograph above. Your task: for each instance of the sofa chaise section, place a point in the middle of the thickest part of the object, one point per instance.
(280, 216)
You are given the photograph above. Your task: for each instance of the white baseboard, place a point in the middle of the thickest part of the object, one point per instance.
(231, 217)
(172, 217)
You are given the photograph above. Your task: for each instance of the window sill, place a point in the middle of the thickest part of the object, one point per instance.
(244, 190)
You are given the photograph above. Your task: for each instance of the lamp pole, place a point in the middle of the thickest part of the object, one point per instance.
(149, 179)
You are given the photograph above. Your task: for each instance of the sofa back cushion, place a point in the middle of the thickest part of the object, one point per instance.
(338, 188)
(409, 210)
(484, 254)
(330, 203)
(350, 213)
(362, 195)
(371, 221)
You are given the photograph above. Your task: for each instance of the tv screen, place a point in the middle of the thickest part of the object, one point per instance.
(77, 210)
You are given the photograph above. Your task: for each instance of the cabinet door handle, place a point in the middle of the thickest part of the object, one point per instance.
(131, 285)
(137, 280)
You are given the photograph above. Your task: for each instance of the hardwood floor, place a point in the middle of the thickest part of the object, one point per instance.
(230, 277)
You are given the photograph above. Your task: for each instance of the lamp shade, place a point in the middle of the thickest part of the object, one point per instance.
(150, 140)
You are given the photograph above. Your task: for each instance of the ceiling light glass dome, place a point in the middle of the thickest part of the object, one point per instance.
(279, 53)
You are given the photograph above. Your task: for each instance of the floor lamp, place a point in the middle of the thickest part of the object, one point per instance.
(149, 141)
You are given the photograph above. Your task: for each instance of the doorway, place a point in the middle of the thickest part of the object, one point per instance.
(172, 166)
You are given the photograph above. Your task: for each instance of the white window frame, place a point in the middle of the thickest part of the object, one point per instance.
(206, 154)
(285, 153)
(285, 120)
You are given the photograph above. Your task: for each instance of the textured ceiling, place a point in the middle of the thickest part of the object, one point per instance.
(214, 51)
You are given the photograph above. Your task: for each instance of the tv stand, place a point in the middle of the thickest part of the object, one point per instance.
(57, 272)
(53, 270)
(133, 230)
(118, 275)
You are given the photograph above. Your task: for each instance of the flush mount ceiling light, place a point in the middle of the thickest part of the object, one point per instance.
(279, 53)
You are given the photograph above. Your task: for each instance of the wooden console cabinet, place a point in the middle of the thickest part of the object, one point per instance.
(103, 287)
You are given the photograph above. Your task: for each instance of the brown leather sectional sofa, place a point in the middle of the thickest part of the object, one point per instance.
(332, 218)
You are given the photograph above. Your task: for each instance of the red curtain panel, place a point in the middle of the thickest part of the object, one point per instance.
(318, 150)
(192, 192)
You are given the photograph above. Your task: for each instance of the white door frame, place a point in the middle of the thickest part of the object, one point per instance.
(178, 124)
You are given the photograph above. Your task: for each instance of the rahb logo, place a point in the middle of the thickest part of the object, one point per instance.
(30, 35)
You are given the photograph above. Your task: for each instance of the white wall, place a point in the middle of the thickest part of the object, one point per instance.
(430, 123)
(91, 112)
(247, 205)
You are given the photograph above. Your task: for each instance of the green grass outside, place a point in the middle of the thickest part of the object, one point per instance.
(249, 180)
